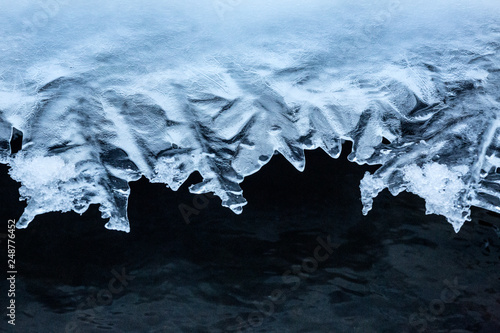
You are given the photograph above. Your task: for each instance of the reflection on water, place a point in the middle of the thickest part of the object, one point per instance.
(301, 258)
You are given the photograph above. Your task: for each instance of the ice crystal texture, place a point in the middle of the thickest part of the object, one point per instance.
(105, 93)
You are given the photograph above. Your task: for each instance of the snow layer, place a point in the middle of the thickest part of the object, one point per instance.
(107, 93)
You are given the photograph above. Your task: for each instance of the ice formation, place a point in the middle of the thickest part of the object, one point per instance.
(105, 93)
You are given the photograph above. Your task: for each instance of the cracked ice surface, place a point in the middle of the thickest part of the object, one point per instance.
(162, 89)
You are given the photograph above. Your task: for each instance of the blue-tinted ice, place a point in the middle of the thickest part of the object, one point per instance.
(107, 93)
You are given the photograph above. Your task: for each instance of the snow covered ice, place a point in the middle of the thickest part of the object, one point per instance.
(163, 89)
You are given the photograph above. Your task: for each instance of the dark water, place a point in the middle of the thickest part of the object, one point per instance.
(301, 258)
